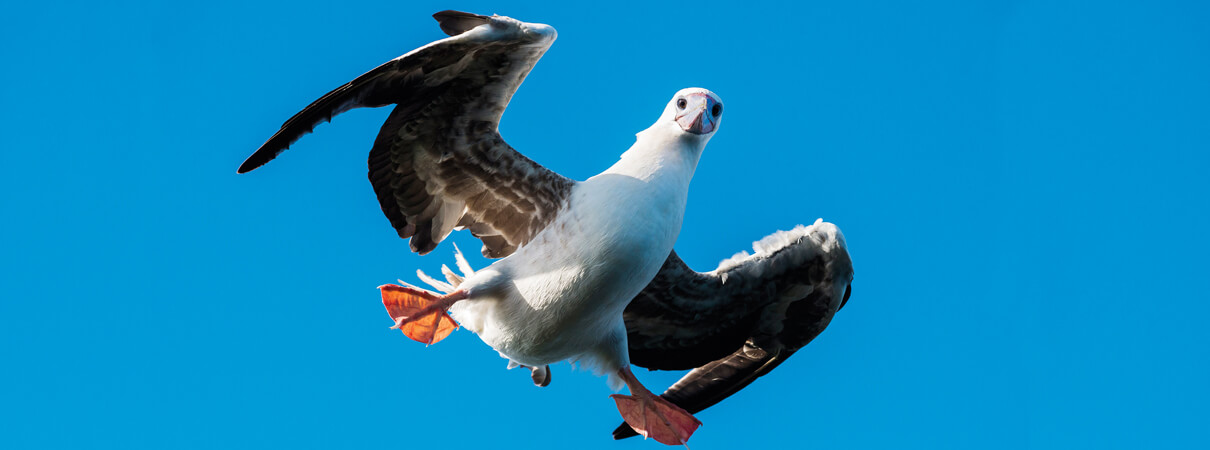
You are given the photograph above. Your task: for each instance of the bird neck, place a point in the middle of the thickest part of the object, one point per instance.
(660, 153)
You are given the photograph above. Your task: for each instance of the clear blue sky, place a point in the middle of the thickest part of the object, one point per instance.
(1023, 186)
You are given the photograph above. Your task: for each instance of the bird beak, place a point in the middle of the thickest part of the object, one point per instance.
(696, 118)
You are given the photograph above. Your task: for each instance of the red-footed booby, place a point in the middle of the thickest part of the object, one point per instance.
(575, 254)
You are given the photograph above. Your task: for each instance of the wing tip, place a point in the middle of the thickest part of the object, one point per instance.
(247, 166)
(253, 162)
(267, 152)
(454, 23)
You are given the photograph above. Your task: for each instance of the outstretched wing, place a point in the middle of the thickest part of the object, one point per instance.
(737, 323)
(439, 162)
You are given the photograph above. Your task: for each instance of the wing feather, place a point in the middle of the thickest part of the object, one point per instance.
(737, 323)
(438, 162)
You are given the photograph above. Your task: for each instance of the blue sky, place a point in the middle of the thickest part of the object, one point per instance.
(1022, 185)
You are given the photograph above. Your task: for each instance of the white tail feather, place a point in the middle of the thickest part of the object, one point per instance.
(435, 283)
(453, 280)
(450, 276)
(464, 266)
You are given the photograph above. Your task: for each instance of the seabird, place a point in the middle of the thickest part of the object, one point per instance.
(575, 253)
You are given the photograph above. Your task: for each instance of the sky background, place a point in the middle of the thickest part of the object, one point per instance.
(1023, 187)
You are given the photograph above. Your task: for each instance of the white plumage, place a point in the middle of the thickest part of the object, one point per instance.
(561, 296)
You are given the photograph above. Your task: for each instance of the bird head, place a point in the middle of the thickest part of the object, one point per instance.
(694, 111)
(688, 122)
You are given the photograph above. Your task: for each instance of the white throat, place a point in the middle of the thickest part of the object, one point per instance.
(664, 149)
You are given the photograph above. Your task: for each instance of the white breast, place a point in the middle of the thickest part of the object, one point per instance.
(562, 295)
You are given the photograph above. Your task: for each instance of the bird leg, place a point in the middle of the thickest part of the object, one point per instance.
(420, 314)
(653, 416)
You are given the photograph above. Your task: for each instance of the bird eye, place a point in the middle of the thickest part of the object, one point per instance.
(717, 110)
(680, 103)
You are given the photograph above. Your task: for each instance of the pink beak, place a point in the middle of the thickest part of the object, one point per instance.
(696, 116)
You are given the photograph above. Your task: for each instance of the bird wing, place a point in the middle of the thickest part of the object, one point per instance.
(439, 162)
(737, 323)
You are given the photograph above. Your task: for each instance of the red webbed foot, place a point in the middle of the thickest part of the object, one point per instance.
(653, 416)
(420, 314)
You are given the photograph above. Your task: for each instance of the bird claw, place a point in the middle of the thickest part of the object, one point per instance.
(400, 322)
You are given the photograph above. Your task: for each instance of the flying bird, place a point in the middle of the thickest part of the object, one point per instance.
(574, 253)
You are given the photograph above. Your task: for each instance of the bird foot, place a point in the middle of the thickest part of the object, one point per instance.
(654, 417)
(540, 375)
(420, 314)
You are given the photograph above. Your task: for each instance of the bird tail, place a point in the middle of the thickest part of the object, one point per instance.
(453, 280)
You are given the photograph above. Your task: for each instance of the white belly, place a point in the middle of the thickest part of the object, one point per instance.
(561, 296)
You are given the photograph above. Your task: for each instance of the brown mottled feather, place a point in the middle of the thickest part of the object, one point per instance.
(438, 162)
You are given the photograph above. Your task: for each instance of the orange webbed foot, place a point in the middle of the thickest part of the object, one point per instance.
(657, 418)
(420, 314)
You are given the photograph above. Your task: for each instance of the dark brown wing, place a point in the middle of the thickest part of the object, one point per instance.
(736, 324)
(684, 319)
(698, 391)
(438, 162)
